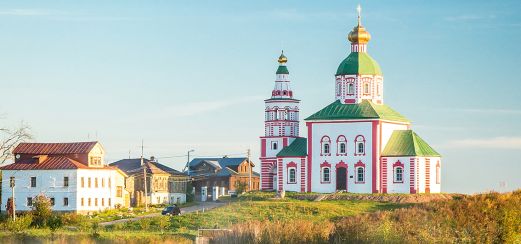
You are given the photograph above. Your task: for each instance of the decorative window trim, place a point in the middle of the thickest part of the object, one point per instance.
(350, 88)
(325, 139)
(289, 166)
(339, 140)
(364, 85)
(341, 164)
(397, 165)
(359, 165)
(359, 139)
(325, 165)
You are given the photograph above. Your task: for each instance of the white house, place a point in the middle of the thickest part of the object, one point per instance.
(356, 143)
(73, 175)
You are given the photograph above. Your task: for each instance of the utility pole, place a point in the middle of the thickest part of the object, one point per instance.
(188, 161)
(144, 177)
(249, 162)
(13, 205)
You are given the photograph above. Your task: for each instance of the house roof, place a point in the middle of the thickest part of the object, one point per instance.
(359, 63)
(54, 148)
(408, 143)
(50, 163)
(133, 166)
(297, 148)
(225, 166)
(363, 110)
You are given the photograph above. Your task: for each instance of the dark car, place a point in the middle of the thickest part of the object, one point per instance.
(171, 210)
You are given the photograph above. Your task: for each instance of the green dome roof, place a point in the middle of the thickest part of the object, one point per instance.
(359, 63)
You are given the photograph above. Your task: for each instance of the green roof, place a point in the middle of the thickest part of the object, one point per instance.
(359, 64)
(364, 110)
(282, 70)
(298, 148)
(408, 143)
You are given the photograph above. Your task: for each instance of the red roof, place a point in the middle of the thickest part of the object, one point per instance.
(52, 162)
(54, 148)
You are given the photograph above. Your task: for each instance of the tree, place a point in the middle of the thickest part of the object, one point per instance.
(10, 138)
(41, 210)
(240, 187)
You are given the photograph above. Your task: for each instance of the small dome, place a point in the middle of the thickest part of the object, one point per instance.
(359, 35)
(282, 58)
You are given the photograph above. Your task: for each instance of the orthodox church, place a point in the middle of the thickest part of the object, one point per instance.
(356, 144)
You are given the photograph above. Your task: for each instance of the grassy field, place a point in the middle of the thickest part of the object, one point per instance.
(245, 209)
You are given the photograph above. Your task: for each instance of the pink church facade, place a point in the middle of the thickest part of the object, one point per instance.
(355, 144)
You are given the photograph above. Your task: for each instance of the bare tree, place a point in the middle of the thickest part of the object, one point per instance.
(10, 138)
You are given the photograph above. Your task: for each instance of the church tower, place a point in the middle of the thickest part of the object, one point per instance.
(359, 76)
(281, 123)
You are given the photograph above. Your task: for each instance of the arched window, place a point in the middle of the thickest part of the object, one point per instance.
(350, 89)
(291, 175)
(360, 175)
(338, 88)
(366, 88)
(274, 145)
(341, 144)
(360, 145)
(398, 174)
(326, 174)
(326, 146)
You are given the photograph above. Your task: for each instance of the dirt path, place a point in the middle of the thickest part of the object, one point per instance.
(199, 207)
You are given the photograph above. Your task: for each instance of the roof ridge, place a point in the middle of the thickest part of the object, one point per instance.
(414, 142)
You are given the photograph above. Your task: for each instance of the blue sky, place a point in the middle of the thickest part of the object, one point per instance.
(187, 74)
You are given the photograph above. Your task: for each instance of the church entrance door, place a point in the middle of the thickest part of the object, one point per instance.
(341, 178)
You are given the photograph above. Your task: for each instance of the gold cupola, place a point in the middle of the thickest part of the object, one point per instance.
(282, 58)
(359, 34)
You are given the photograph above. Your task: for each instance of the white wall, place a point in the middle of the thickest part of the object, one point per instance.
(292, 186)
(48, 182)
(99, 192)
(350, 131)
(393, 187)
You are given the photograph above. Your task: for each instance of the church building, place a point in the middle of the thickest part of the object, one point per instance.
(356, 144)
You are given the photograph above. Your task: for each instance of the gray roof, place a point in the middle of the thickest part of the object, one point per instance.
(132, 166)
(225, 166)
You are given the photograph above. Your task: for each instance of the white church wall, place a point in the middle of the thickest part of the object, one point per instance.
(294, 163)
(393, 185)
(350, 130)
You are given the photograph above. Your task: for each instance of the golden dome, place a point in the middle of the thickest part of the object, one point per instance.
(359, 34)
(282, 58)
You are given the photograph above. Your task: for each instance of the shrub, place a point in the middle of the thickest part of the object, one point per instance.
(21, 223)
(144, 223)
(41, 210)
(54, 222)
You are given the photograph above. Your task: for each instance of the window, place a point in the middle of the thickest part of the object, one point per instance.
(350, 89)
(96, 202)
(65, 181)
(438, 173)
(65, 201)
(119, 191)
(360, 175)
(29, 201)
(89, 202)
(274, 145)
(109, 183)
(33, 181)
(102, 182)
(88, 182)
(342, 147)
(338, 88)
(52, 201)
(341, 143)
(326, 175)
(109, 203)
(103, 202)
(96, 182)
(82, 201)
(398, 174)
(292, 174)
(326, 146)
(95, 160)
(366, 88)
(82, 181)
(360, 145)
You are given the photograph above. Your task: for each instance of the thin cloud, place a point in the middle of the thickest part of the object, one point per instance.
(195, 108)
(30, 12)
(494, 142)
(497, 111)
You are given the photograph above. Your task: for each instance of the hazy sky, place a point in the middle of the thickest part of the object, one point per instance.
(187, 74)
